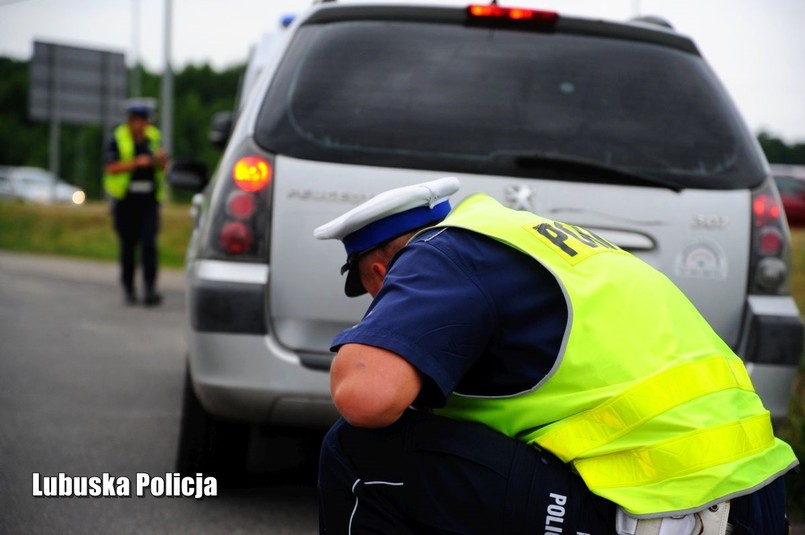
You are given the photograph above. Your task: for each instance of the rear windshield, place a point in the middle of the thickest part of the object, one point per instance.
(515, 103)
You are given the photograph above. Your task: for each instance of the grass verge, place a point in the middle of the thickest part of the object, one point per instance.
(793, 431)
(85, 231)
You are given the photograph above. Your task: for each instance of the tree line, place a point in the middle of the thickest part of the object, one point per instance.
(199, 93)
(777, 151)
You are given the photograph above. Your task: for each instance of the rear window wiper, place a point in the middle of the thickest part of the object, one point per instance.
(583, 166)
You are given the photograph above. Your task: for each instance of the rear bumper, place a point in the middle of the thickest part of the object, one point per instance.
(251, 379)
(773, 331)
(239, 371)
(772, 346)
(774, 385)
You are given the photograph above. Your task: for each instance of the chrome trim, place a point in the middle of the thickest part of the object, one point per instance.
(222, 271)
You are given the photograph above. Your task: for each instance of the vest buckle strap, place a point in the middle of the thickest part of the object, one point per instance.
(710, 521)
(715, 519)
(137, 186)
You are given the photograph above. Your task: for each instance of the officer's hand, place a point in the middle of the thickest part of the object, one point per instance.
(143, 160)
(161, 159)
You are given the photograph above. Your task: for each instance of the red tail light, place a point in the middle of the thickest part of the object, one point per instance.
(235, 237)
(770, 242)
(496, 12)
(252, 173)
(770, 258)
(766, 210)
(241, 205)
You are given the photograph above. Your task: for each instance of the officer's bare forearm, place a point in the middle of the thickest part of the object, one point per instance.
(371, 387)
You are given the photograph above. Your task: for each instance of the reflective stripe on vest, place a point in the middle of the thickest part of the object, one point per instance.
(575, 436)
(116, 184)
(714, 446)
(653, 409)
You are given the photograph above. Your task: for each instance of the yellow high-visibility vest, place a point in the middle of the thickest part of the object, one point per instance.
(116, 184)
(649, 405)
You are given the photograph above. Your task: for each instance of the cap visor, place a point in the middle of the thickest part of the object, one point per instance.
(354, 287)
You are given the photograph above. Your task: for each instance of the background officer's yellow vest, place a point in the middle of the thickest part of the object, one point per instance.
(116, 184)
(651, 407)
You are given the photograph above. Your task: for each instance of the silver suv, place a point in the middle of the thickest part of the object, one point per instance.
(621, 128)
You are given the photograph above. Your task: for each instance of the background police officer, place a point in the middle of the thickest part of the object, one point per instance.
(134, 181)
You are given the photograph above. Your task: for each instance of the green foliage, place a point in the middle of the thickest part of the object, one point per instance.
(199, 93)
(22, 142)
(778, 152)
(793, 431)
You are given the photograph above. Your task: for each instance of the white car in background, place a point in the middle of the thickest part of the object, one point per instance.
(32, 184)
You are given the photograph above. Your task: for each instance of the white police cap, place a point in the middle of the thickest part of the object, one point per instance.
(141, 107)
(383, 218)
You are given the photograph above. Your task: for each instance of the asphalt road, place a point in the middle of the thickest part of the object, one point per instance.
(90, 387)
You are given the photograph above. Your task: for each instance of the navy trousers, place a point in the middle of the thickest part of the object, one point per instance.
(431, 475)
(136, 220)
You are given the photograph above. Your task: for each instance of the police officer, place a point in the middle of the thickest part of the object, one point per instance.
(515, 374)
(134, 181)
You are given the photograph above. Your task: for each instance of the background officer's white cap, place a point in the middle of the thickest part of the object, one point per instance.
(383, 218)
(141, 107)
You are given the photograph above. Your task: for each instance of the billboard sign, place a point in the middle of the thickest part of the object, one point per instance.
(76, 85)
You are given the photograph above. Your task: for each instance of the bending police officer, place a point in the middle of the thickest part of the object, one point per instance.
(559, 384)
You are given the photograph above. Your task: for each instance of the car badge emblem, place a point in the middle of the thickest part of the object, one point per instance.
(519, 197)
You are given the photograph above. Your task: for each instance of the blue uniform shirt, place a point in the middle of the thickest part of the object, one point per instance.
(474, 316)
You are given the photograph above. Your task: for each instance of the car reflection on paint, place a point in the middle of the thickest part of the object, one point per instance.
(790, 180)
(35, 185)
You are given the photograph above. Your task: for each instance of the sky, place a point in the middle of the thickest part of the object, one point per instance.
(756, 47)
